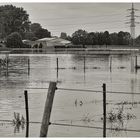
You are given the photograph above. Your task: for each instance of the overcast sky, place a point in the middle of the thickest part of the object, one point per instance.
(69, 17)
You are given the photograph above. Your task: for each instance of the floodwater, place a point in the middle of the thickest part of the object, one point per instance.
(71, 107)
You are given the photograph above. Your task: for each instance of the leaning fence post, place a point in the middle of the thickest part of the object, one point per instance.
(104, 110)
(47, 109)
(27, 112)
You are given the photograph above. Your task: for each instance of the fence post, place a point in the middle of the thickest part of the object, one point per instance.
(136, 62)
(47, 109)
(57, 66)
(7, 59)
(28, 66)
(27, 112)
(84, 64)
(104, 110)
(110, 63)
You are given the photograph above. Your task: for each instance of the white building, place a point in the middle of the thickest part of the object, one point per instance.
(53, 42)
(48, 42)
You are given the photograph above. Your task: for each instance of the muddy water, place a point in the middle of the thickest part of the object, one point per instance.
(70, 107)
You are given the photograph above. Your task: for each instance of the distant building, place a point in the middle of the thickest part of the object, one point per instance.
(29, 42)
(48, 42)
(53, 42)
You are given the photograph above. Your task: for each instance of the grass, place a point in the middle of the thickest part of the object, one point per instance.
(86, 118)
(119, 115)
(118, 118)
(18, 122)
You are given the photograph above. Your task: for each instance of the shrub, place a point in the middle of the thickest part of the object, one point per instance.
(14, 40)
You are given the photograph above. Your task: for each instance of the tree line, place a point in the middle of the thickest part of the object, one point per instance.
(82, 37)
(15, 26)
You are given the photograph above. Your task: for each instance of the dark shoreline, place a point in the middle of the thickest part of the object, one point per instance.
(126, 50)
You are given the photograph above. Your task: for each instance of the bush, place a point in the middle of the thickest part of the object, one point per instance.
(14, 40)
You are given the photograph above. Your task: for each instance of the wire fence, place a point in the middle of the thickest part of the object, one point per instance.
(74, 125)
(91, 91)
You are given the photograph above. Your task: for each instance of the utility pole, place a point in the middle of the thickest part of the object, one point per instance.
(132, 22)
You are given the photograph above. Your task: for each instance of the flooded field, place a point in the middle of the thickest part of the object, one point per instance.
(71, 107)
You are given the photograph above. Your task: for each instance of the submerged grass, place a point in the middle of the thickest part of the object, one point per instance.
(18, 122)
(119, 115)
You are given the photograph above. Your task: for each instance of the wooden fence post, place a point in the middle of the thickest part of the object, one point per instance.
(84, 64)
(28, 66)
(136, 65)
(7, 59)
(47, 109)
(27, 112)
(104, 110)
(110, 63)
(57, 66)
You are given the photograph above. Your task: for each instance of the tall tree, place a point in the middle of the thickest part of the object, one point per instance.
(123, 38)
(35, 27)
(13, 19)
(100, 38)
(79, 37)
(63, 35)
(114, 38)
(137, 41)
(29, 36)
(42, 33)
(91, 39)
(14, 40)
(106, 38)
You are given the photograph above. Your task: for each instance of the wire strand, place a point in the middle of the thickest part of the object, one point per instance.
(83, 126)
(87, 90)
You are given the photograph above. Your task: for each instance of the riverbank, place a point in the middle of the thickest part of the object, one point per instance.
(101, 50)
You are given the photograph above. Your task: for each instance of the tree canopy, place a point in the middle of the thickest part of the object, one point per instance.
(63, 35)
(14, 40)
(34, 27)
(16, 19)
(36, 32)
(42, 33)
(82, 37)
(79, 37)
(13, 19)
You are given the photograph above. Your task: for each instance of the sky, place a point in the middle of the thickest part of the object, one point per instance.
(92, 17)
